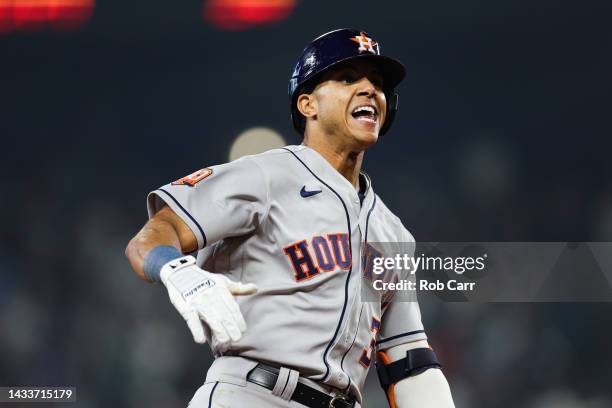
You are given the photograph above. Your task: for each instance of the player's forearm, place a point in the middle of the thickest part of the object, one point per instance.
(426, 390)
(156, 232)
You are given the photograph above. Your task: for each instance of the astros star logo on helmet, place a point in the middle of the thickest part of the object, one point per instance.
(365, 43)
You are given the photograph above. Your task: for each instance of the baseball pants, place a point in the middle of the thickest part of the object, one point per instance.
(226, 386)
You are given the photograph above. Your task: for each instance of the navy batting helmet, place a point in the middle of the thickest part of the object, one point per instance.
(336, 47)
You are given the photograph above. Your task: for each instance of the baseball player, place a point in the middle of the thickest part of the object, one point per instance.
(262, 256)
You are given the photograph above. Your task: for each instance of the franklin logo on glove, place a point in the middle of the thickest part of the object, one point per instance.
(208, 283)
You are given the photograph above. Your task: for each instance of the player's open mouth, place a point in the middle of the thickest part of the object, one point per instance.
(365, 113)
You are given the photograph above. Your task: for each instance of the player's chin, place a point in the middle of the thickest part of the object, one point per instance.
(365, 133)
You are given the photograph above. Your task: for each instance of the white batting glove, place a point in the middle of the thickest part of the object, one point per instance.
(203, 296)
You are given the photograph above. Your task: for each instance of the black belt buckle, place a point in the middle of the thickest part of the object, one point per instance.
(340, 398)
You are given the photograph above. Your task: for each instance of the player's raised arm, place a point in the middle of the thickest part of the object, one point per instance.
(165, 228)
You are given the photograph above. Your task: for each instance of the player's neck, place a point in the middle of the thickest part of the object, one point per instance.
(345, 161)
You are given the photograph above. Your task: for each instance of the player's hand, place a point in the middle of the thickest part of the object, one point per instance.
(203, 296)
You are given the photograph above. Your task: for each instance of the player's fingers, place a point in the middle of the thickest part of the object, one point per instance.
(240, 289)
(216, 328)
(232, 329)
(234, 310)
(195, 326)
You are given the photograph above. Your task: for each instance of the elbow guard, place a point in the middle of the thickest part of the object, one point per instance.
(416, 361)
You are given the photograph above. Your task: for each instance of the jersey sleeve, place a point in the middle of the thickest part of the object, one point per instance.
(401, 317)
(217, 202)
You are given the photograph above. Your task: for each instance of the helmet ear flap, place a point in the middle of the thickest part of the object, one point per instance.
(392, 100)
(392, 105)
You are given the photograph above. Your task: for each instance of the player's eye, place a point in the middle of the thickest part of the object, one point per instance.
(348, 78)
(377, 82)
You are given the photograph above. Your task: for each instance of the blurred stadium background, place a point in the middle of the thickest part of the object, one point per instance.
(503, 135)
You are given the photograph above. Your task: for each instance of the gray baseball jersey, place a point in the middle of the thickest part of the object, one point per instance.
(287, 221)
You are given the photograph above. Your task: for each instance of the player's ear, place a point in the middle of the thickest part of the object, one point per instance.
(307, 105)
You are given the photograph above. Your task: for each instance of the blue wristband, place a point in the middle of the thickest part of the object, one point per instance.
(157, 258)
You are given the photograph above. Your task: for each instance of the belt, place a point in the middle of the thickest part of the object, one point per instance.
(266, 377)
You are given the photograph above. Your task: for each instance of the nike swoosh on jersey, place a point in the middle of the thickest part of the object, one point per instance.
(304, 193)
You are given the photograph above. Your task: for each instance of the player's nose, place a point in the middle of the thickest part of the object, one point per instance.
(366, 87)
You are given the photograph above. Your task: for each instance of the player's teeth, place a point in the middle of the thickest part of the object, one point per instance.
(367, 109)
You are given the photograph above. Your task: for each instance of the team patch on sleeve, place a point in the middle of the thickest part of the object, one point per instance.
(193, 178)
